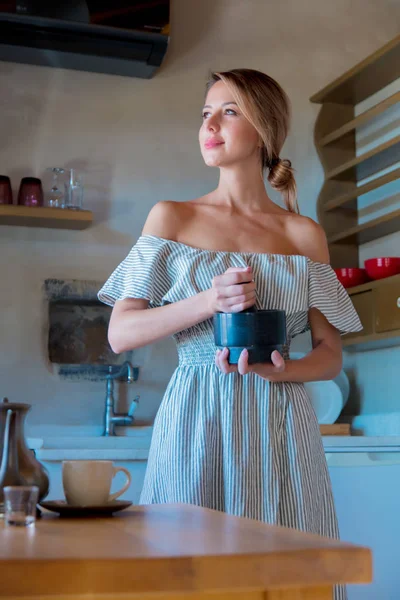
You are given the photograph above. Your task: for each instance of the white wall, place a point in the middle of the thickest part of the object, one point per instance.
(137, 142)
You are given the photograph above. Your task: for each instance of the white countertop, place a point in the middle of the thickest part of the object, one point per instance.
(361, 443)
(134, 445)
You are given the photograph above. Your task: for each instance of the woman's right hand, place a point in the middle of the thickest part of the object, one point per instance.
(233, 291)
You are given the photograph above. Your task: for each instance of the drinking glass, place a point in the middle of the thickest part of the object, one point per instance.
(74, 191)
(20, 504)
(56, 195)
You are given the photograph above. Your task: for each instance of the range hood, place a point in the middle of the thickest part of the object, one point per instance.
(87, 46)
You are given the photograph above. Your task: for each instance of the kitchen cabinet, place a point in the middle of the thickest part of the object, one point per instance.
(387, 307)
(378, 306)
(366, 486)
(363, 303)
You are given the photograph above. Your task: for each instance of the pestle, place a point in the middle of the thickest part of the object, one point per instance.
(259, 331)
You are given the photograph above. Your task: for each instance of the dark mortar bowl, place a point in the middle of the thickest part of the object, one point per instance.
(259, 331)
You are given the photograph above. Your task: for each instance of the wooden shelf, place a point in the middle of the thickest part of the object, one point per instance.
(42, 216)
(364, 79)
(375, 341)
(345, 172)
(370, 285)
(372, 230)
(367, 164)
(360, 120)
(349, 197)
(335, 429)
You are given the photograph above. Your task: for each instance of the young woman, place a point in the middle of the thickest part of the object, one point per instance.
(242, 439)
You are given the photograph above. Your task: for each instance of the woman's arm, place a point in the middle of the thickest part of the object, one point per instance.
(132, 325)
(324, 362)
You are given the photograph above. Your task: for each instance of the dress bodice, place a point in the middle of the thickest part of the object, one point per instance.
(164, 271)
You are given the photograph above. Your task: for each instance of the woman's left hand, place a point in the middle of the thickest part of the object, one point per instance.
(265, 370)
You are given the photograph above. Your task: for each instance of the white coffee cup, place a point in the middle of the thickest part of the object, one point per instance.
(88, 482)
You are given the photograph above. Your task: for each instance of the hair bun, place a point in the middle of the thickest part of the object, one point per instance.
(282, 180)
(274, 162)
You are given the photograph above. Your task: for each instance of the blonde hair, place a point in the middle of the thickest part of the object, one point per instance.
(266, 106)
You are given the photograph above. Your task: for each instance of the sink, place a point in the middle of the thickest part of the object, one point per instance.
(141, 440)
(129, 437)
(132, 443)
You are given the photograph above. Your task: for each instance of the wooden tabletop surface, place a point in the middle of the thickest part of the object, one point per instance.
(168, 548)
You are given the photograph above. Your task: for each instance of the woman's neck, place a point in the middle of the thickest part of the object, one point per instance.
(242, 189)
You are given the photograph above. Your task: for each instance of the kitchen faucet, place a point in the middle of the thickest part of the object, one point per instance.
(112, 419)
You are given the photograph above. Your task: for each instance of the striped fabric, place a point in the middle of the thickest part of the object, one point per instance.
(237, 444)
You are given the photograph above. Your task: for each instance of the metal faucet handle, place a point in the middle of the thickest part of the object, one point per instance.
(133, 406)
(125, 366)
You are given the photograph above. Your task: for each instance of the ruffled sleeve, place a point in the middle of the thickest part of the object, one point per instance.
(326, 293)
(142, 274)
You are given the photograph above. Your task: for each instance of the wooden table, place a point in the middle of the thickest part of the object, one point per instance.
(173, 551)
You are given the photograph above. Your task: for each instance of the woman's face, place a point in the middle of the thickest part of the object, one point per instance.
(225, 136)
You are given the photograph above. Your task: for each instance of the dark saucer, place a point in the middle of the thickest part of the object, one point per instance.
(67, 510)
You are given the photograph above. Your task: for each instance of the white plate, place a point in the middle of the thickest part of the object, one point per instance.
(327, 397)
(327, 400)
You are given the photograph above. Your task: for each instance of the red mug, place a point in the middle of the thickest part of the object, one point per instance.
(30, 192)
(5, 190)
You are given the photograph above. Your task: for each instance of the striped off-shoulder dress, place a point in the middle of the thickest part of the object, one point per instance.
(236, 443)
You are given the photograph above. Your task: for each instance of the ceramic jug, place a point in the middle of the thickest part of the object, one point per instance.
(18, 464)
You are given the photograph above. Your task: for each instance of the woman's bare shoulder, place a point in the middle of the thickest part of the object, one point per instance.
(310, 238)
(165, 219)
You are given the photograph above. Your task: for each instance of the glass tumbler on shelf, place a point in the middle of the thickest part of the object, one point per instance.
(30, 192)
(5, 190)
(56, 196)
(74, 191)
(20, 504)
